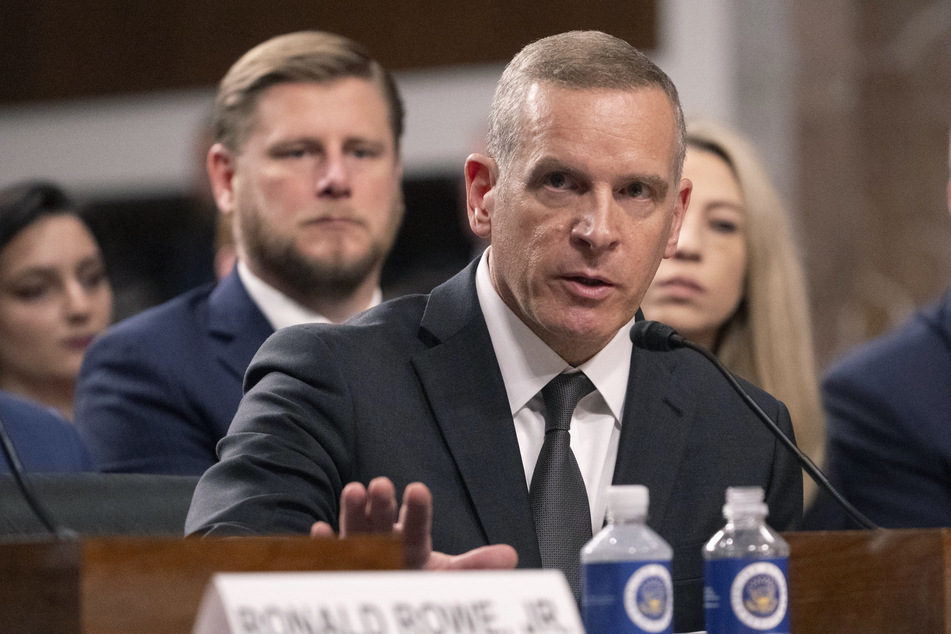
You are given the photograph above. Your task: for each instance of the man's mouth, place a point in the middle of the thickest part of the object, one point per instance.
(588, 281)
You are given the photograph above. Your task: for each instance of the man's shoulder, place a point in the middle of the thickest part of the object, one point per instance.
(919, 345)
(157, 335)
(394, 323)
(694, 377)
(190, 306)
(384, 339)
(393, 314)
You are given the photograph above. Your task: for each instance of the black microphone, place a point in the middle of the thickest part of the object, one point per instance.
(659, 337)
(19, 474)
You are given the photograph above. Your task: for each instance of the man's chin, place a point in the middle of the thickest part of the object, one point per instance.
(337, 274)
(587, 324)
(351, 267)
(577, 338)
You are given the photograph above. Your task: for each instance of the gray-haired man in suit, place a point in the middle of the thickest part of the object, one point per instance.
(444, 397)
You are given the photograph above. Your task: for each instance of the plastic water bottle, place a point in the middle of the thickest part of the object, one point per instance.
(625, 570)
(746, 570)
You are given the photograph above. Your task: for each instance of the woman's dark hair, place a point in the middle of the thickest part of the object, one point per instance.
(23, 204)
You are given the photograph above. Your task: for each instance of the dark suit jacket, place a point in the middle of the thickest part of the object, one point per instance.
(412, 390)
(889, 425)
(159, 389)
(44, 442)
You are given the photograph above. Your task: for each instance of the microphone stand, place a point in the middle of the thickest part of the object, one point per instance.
(18, 472)
(806, 462)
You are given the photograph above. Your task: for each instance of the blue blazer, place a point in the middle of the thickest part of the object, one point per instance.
(889, 425)
(157, 391)
(44, 442)
(412, 390)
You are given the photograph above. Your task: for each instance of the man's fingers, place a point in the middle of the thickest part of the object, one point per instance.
(496, 557)
(353, 504)
(381, 506)
(416, 522)
(370, 509)
(321, 529)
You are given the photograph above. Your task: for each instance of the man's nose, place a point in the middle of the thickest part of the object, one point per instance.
(597, 229)
(333, 178)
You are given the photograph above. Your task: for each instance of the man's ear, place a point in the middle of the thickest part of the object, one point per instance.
(680, 210)
(481, 176)
(221, 168)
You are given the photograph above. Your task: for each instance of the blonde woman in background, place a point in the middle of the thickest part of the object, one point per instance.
(736, 284)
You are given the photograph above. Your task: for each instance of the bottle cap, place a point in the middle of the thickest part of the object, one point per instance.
(628, 499)
(744, 501)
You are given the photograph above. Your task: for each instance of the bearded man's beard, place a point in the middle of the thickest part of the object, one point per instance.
(331, 277)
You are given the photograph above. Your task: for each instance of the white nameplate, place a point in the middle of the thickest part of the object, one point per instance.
(398, 602)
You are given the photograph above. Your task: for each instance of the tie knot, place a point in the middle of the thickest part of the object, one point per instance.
(561, 395)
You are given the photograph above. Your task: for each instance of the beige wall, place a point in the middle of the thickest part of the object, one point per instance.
(873, 108)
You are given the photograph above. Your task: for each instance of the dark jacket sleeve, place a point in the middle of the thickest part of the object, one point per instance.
(287, 455)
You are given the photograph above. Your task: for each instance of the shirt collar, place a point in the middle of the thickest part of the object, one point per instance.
(279, 309)
(528, 364)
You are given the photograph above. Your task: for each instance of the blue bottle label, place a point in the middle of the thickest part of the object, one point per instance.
(743, 596)
(629, 596)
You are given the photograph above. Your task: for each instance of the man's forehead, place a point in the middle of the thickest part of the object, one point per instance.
(543, 99)
(273, 106)
(350, 88)
(562, 124)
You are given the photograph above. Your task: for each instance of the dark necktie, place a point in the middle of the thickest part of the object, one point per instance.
(559, 499)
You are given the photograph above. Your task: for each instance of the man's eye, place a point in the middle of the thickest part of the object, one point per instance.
(293, 152)
(638, 190)
(558, 180)
(364, 152)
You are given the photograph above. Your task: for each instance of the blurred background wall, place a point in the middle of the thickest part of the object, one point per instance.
(847, 100)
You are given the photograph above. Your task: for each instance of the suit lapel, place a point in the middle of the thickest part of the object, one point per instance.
(237, 324)
(655, 428)
(462, 381)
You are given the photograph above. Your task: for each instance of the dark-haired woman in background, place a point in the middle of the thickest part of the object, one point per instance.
(55, 296)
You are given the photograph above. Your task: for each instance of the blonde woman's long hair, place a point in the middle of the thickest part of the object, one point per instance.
(768, 341)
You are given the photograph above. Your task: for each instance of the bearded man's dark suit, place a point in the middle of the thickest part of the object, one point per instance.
(158, 391)
(412, 390)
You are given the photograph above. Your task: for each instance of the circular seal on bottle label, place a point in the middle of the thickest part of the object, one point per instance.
(759, 595)
(649, 598)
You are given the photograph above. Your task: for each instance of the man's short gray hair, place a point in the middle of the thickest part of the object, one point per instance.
(574, 60)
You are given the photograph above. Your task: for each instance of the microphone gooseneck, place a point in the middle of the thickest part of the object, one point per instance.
(659, 337)
(656, 336)
(19, 474)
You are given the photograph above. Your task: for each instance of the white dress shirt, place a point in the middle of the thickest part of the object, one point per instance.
(279, 309)
(528, 364)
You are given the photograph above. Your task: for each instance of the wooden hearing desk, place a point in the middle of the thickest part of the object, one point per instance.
(867, 582)
(151, 586)
(861, 582)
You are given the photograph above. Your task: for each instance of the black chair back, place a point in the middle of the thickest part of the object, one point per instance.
(100, 504)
